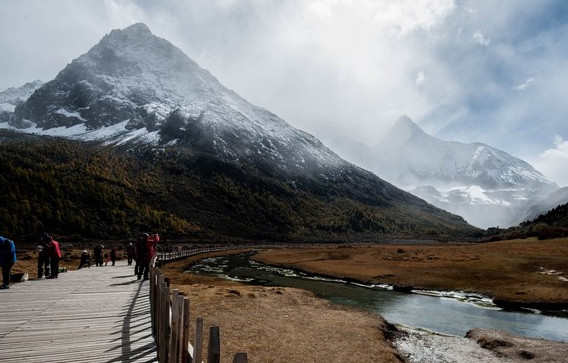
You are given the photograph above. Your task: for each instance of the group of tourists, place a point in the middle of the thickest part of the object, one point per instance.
(49, 255)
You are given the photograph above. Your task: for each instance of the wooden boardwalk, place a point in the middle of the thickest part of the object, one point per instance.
(97, 314)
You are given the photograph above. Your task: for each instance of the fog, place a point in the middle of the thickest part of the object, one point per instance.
(344, 70)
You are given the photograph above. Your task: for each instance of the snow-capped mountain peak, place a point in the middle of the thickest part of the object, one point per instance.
(136, 87)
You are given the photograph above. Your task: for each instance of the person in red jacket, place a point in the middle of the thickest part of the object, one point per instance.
(54, 255)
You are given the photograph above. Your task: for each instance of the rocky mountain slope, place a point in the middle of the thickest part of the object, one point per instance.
(141, 96)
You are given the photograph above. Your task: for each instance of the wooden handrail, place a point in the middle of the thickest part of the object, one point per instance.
(170, 316)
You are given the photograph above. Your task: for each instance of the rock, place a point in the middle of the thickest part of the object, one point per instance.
(519, 349)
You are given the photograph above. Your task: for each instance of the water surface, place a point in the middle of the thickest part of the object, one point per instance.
(440, 314)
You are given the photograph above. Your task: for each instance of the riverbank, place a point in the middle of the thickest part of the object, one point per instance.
(516, 273)
(274, 324)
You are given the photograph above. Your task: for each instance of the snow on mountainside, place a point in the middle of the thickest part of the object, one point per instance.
(135, 87)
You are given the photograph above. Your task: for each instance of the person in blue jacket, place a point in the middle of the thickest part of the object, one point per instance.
(7, 260)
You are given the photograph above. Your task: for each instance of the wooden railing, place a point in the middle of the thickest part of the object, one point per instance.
(171, 318)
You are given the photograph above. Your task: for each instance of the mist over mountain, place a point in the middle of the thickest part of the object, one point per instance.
(138, 93)
(485, 185)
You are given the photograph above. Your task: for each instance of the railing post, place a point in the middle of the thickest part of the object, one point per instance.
(174, 324)
(184, 357)
(214, 349)
(198, 344)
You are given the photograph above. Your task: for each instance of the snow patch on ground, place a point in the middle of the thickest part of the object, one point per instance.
(69, 114)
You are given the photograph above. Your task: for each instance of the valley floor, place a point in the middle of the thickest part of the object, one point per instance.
(274, 324)
(528, 273)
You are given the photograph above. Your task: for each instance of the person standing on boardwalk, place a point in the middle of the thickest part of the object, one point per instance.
(113, 255)
(7, 260)
(130, 253)
(85, 260)
(140, 255)
(42, 259)
(152, 248)
(54, 256)
(98, 250)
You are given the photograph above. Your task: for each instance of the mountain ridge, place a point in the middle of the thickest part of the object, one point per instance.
(136, 92)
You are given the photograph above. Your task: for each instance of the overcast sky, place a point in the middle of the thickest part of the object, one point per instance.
(468, 70)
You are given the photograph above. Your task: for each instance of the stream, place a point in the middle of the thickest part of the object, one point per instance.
(447, 313)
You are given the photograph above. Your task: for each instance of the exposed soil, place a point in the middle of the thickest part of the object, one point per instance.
(515, 273)
(281, 324)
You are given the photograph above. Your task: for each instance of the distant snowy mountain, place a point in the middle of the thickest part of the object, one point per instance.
(544, 204)
(14, 96)
(138, 91)
(486, 186)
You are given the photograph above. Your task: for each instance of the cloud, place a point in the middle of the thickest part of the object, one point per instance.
(554, 162)
(338, 67)
(481, 39)
(420, 78)
(523, 86)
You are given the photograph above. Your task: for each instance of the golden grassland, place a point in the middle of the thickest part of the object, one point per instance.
(274, 324)
(513, 272)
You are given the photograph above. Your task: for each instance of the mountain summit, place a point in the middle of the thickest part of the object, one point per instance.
(135, 87)
(485, 185)
(137, 91)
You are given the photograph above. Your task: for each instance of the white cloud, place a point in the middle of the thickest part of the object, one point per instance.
(523, 86)
(420, 78)
(481, 39)
(554, 162)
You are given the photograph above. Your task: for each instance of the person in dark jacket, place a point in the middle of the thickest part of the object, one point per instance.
(142, 259)
(7, 260)
(113, 255)
(54, 256)
(85, 260)
(98, 250)
(130, 253)
(42, 260)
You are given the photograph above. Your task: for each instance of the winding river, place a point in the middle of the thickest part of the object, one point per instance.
(454, 314)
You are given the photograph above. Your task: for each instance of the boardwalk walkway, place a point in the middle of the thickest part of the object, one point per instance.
(98, 314)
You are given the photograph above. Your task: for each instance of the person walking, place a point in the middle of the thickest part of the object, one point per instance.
(54, 256)
(130, 253)
(42, 259)
(98, 251)
(113, 255)
(85, 260)
(142, 259)
(140, 255)
(7, 260)
(151, 250)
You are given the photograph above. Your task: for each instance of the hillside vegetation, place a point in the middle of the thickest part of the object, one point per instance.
(92, 191)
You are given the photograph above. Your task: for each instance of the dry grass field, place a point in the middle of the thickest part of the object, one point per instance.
(281, 324)
(515, 272)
